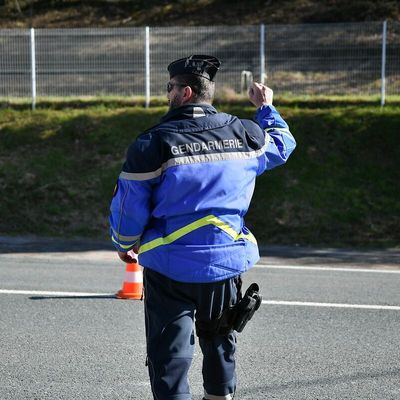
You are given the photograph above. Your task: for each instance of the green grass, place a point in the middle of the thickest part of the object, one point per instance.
(225, 97)
(341, 186)
(58, 168)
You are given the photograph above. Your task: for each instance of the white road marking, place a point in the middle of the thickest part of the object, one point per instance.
(49, 293)
(338, 269)
(334, 305)
(269, 302)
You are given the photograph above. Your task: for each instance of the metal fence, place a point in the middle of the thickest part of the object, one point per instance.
(313, 59)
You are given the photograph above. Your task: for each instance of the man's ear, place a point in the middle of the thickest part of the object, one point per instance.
(187, 93)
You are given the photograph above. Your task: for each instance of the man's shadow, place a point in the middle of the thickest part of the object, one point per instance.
(94, 296)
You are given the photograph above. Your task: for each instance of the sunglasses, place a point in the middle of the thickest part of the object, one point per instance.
(170, 86)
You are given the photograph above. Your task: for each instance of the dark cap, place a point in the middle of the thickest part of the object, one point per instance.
(205, 66)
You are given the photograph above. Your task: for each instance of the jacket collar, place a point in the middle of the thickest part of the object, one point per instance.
(189, 111)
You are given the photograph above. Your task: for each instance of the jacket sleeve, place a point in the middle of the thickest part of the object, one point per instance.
(279, 142)
(130, 208)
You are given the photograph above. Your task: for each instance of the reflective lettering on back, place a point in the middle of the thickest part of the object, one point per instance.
(191, 148)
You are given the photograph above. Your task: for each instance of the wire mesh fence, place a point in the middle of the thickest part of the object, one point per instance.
(82, 62)
(237, 47)
(333, 59)
(15, 64)
(392, 72)
(313, 59)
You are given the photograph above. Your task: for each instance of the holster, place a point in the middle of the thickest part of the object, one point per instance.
(234, 317)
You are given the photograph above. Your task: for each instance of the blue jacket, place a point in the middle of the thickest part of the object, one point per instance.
(186, 185)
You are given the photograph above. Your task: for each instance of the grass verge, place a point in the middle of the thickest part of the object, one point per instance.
(340, 188)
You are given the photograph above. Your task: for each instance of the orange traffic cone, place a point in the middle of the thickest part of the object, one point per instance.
(133, 283)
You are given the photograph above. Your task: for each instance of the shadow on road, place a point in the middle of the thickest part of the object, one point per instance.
(290, 254)
(33, 244)
(99, 296)
(313, 256)
(358, 376)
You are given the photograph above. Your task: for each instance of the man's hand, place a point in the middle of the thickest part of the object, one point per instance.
(130, 257)
(260, 94)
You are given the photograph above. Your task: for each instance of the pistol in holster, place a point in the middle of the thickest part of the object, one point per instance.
(233, 318)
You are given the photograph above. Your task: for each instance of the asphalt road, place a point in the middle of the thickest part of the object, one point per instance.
(329, 328)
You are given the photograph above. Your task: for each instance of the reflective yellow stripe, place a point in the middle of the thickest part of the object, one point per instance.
(175, 235)
(277, 129)
(208, 220)
(122, 245)
(249, 236)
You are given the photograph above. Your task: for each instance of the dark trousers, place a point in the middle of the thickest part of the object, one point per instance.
(170, 309)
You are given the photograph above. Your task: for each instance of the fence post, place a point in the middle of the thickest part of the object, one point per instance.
(262, 53)
(383, 64)
(147, 72)
(33, 69)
